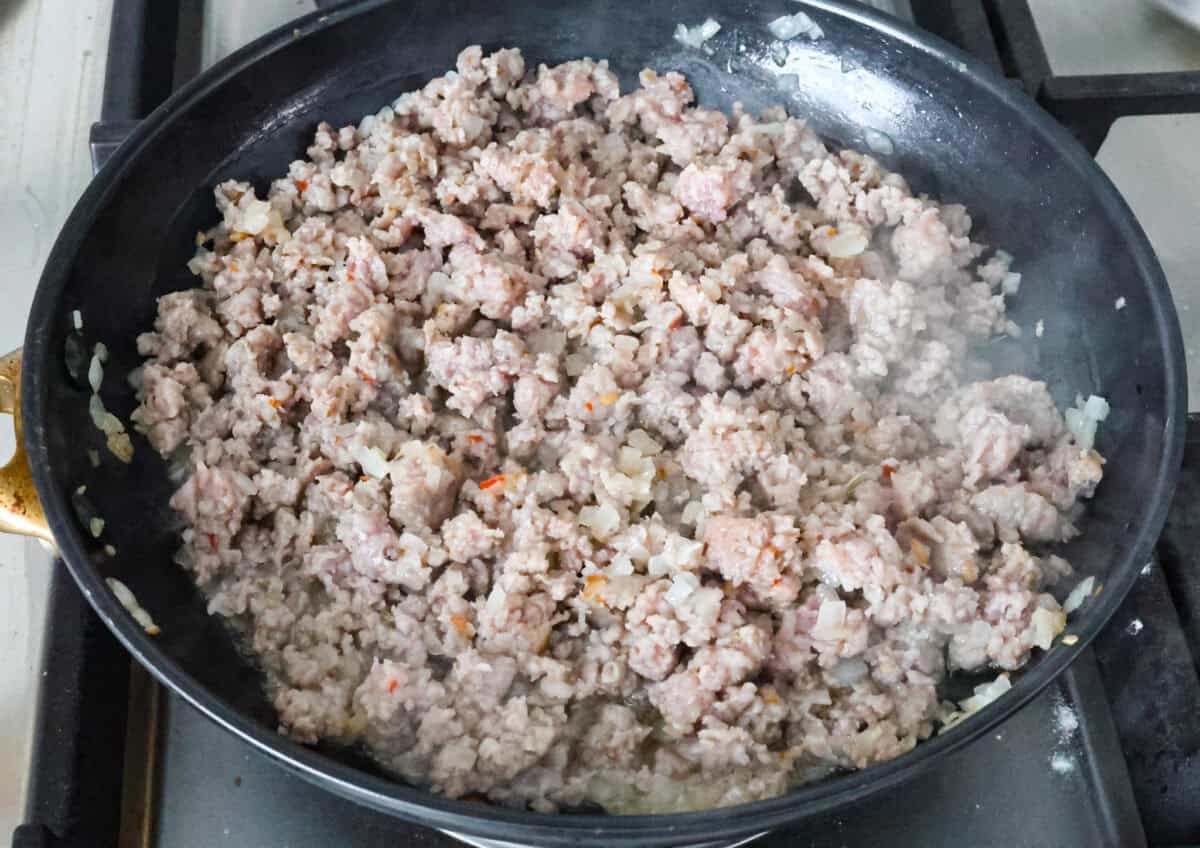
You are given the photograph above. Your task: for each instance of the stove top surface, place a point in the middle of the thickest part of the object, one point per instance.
(1106, 756)
(1057, 761)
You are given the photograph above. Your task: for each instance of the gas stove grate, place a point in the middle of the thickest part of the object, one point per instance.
(1003, 34)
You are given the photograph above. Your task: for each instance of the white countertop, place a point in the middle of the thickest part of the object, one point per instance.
(51, 77)
(52, 55)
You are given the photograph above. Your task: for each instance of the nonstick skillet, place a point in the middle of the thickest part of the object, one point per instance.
(951, 126)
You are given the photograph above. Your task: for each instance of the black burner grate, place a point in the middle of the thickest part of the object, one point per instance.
(1004, 34)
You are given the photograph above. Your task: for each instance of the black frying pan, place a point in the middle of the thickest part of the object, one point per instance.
(956, 130)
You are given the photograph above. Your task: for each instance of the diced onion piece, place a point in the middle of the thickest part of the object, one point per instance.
(1097, 408)
(790, 26)
(1081, 592)
(116, 439)
(951, 719)
(111, 424)
(602, 521)
(1011, 283)
(371, 460)
(1083, 418)
(96, 527)
(621, 566)
(696, 36)
(629, 461)
(255, 217)
(850, 240)
(831, 620)
(95, 373)
(985, 693)
(120, 446)
(97, 411)
(1047, 624)
(682, 587)
(130, 602)
(642, 441)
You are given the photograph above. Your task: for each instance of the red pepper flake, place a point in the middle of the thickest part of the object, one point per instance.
(393, 684)
(364, 376)
(588, 405)
(474, 439)
(302, 185)
(362, 478)
(275, 402)
(212, 541)
(888, 470)
(350, 275)
(593, 585)
(233, 266)
(492, 481)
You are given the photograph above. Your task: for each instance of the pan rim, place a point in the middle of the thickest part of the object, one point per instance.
(436, 811)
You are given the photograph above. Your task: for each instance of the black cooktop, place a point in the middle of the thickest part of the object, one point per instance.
(1109, 755)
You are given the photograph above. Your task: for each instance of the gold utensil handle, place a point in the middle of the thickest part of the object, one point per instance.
(20, 508)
